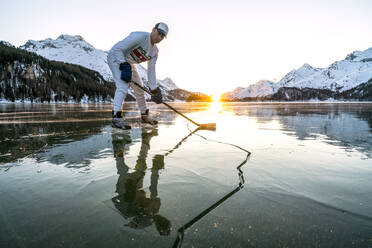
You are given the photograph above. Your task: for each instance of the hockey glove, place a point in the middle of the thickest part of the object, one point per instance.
(126, 72)
(156, 95)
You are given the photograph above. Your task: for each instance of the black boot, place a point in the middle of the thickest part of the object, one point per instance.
(145, 117)
(118, 122)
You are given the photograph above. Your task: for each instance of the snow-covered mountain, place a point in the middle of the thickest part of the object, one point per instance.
(338, 77)
(28, 77)
(5, 43)
(259, 89)
(342, 75)
(75, 50)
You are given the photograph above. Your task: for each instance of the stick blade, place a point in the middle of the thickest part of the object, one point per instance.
(208, 126)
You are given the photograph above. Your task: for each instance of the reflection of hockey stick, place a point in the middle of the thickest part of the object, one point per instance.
(181, 230)
(206, 126)
(179, 143)
(158, 160)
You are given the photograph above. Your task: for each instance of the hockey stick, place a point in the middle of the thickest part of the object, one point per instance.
(206, 126)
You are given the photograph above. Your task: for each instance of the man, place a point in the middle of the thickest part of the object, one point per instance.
(138, 47)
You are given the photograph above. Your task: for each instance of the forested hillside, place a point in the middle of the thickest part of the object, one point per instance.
(25, 76)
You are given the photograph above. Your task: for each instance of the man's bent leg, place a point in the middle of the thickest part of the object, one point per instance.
(138, 92)
(120, 94)
(140, 96)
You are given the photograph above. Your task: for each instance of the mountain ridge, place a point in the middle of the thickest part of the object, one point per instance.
(338, 77)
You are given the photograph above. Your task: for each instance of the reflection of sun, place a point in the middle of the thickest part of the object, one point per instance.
(216, 97)
(216, 107)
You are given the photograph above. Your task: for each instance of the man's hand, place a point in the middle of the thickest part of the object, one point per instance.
(126, 72)
(156, 95)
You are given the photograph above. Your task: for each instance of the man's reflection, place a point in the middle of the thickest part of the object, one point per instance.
(131, 201)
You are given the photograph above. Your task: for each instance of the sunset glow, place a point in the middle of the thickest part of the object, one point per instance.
(216, 97)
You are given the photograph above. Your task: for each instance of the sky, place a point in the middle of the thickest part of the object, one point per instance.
(213, 46)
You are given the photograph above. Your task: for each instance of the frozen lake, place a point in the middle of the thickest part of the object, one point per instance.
(271, 175)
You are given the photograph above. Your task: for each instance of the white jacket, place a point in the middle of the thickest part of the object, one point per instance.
(135, 49)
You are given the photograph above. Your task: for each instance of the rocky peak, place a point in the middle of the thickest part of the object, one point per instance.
(168, 83)
(63, 41)
(307, 66)
(71, 38)
(264, 81)
(360, 56)
(5, 43)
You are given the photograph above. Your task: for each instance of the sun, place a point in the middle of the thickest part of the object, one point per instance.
(216, 97)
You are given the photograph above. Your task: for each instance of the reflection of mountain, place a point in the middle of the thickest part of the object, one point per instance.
(19, 140)
(78, 153)
(366, 116)
(346, 125)
(346, 129)
(61, 136)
